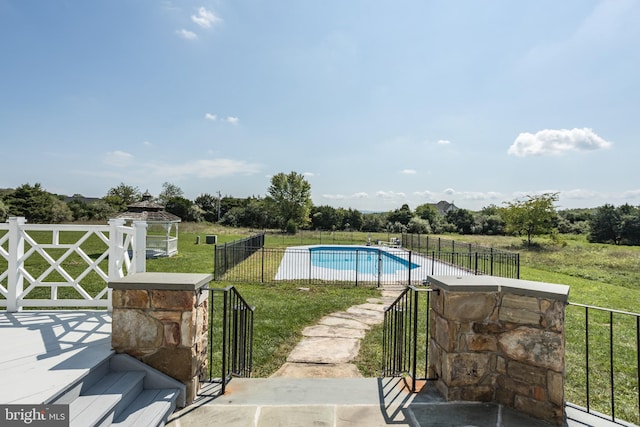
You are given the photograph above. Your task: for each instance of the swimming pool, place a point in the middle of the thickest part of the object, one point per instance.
(366, 260)
(357, 263)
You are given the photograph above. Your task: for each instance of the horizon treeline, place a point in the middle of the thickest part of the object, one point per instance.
(605, 224)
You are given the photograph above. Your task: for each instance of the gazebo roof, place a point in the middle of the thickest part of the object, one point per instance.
(148, 210)
(149, 216)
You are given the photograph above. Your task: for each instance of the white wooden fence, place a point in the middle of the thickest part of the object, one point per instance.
(56, 265)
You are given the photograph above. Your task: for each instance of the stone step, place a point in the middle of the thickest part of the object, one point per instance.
(325, 350)
(332, 332)
(122, 390)
(151, 408)
(343, 322)
(106, 399)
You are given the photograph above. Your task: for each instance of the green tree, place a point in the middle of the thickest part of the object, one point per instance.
(60, 212)
(169, 191)
(209, 205)
(530, 217)
(428, 211)
(103, 210)
(631, 227)
(402, 215)
(324, 218)
(619, 225)
(351, 219)
(290, 197)
(122, 196)
(373, 222)
(181, 207)
(4, 210)
(32, 202)
(606, 225)
(418, 225)
(462, 219)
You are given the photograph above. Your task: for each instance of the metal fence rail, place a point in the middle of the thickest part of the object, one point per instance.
(472, 257)
(405, 339)
(604, 358)
(230, 336)
(354, 265)
(227, 256)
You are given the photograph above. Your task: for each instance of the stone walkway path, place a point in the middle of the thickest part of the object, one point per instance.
(328, 348)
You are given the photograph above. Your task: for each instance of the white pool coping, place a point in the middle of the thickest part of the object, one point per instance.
(296, 265)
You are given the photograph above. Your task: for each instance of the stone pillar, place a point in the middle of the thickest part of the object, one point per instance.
(500, 340)
(162, 320)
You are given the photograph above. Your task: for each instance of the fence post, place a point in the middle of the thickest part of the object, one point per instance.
(139, 247)
(379, 267)
(433, 262)
(357, 268)
(15, 284)
(491, 264)
(476, 267)
(116, 249)
(116, 255)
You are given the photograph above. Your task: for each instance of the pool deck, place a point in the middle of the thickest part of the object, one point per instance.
(296, 265)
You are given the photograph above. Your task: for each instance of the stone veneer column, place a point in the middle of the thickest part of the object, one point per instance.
(500, 340)
(162, 319)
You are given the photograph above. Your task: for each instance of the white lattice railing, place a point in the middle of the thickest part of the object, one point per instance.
(166, 245)
(47, 265)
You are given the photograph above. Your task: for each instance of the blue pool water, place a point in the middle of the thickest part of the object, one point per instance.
(361, 259)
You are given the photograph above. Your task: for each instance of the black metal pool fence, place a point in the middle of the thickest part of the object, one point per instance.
(247, 260)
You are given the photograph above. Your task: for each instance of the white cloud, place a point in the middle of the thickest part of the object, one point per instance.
(204, 168)
(308, 174)
(408, 171)
(359, 195)
(451, 194)
(186, 34)
(229, 119)
(426, 194)
(205, 18)
(579, 194)
(631, 194)
(557, 142)
(443, 142)
(118, 158)
(390, 195)
(147, 143)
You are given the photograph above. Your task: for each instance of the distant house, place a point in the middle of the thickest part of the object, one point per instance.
(443, 207)
(161, 240)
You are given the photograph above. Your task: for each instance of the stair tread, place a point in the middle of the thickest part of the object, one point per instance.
(151, 407)
(103, 397)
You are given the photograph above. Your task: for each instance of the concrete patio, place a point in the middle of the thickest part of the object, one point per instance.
(44, 352)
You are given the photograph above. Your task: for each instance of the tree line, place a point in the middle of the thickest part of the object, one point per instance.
(287, 206)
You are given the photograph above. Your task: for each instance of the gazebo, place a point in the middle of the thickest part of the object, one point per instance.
(162, 232)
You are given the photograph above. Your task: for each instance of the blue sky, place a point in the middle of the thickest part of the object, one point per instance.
(377, 103)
